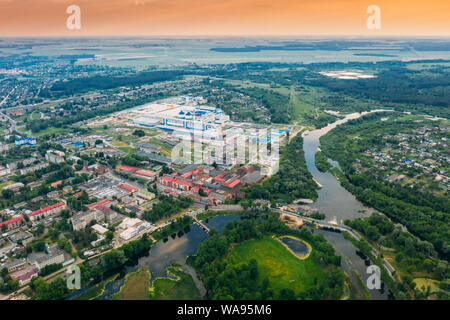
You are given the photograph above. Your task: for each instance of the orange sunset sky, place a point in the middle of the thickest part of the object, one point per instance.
(224, 17)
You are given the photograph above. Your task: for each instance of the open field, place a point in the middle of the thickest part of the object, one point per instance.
(50, 131)
(5, 184)
(136, 286)
(281, 267)
(183, 288)
(425, 283)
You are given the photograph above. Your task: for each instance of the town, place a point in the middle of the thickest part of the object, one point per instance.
(78, 195)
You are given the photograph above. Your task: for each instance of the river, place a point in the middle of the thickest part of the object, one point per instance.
(163, 253)
(179, 248)
(338, 204)
(334, 200)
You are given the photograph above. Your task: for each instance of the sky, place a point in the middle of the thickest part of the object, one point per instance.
(224, 18)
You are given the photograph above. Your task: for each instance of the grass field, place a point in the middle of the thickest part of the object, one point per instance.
(282, 268)
(136, 286)
(423, 283)
(183, 288)
(4, 184)
(50, 131)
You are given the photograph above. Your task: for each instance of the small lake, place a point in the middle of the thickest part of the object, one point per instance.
(296, 245)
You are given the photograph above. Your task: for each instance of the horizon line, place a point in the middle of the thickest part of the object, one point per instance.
(227, 36)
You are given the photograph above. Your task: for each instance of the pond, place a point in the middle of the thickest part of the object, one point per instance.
(297, 246)
(177, 249)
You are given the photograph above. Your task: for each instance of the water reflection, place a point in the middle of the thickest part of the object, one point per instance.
(163, 253)
(352, 261)
(334, 200)
(297, 246)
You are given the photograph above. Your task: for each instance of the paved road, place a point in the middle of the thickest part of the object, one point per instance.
(321, 223)
(13, 123)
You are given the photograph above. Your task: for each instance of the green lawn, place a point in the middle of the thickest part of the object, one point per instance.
(183, 288)
(4, 184)
(280, 266)
(50, 131)
(136, 286)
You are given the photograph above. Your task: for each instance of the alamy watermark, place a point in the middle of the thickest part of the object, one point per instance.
(374, 20)
(73, 22)
(74, 280)
(374, 280)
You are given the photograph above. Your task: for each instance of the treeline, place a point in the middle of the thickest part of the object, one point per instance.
(224, 279)
(49, 269)
(7, 285)
(322, 162)
(178, 227)
(412, 256)
(277, 104)
(80, 85)
(167, 207)
(291, 182)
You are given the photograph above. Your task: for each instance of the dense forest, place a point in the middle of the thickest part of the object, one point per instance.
(322, 162)
(412, 256)
(80, 85)
(397, 85)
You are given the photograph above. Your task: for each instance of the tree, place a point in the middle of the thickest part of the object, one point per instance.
(287, 294)
(7, 194)
(109, 235)
(442, 267)
(139, 133)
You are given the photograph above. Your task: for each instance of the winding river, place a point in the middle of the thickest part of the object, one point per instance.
(336, 202)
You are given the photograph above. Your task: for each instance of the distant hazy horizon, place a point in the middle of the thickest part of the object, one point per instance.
(231, 18)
